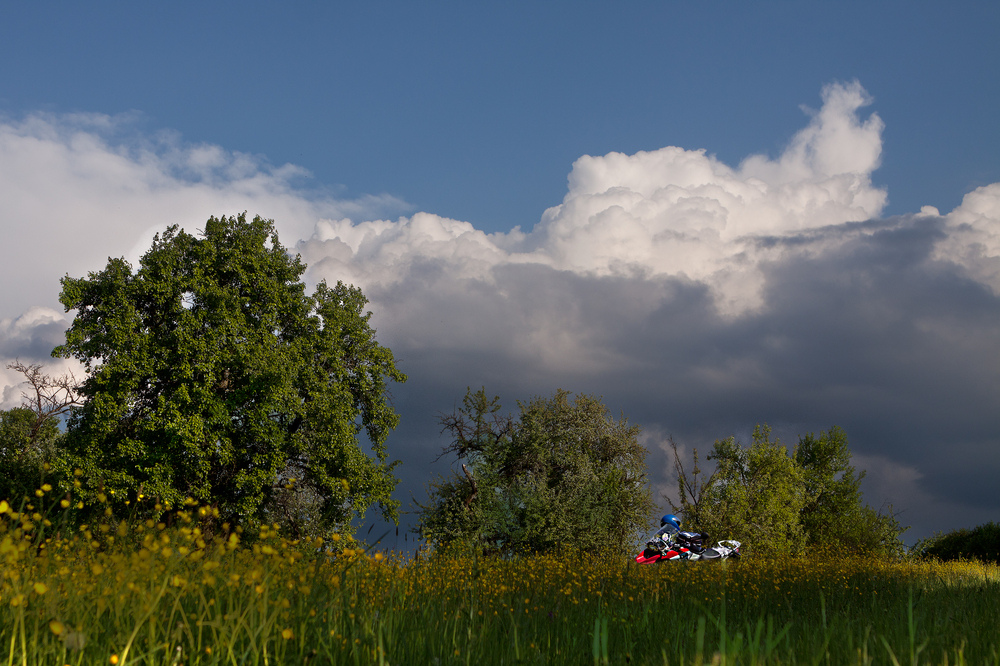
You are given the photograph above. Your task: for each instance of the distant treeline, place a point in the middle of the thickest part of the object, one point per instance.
(979, 543)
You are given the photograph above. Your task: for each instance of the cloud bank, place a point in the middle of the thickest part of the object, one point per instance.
(702, 298)
(697, 297)
(76, 189)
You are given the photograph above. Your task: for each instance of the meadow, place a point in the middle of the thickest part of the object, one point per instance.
(195, 592)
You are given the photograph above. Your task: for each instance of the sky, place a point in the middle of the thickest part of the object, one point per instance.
(712, 215)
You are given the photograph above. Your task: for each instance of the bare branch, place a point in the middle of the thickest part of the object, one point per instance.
(50, 397)
(691, 489)
(470, 435)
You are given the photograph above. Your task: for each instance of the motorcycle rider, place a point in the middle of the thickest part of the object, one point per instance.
(669, 523)
(670, 531)
(670, 527)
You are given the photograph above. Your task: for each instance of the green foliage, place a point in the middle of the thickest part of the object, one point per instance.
(565, 473)
(29, 434)
(26, 447)
(211, 374)
(756, 496)
(776, 503)
(979, 543)
(834, 513)
(830, 484)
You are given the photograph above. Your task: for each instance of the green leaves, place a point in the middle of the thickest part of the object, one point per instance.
(211, 373)
(979, 543)
(564, 474)
(776, 503)
(757, 494)
(24, 450)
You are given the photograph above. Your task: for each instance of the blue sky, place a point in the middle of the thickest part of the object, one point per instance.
(476, 112)
(519, 189)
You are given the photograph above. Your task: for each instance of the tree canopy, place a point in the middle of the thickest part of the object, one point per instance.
(978, 543)
(29, 434)
(25, 448)
(211, 374)
(780, 503)
(564, 473)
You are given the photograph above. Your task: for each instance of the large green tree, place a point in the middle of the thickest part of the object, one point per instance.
(212, 374)
(781, 503)
(563, 474)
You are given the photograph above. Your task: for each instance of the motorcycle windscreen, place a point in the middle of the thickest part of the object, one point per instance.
(667, 533)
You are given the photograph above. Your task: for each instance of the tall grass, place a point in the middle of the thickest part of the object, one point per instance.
(144, 593)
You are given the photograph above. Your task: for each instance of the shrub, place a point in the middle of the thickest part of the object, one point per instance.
(979, 543)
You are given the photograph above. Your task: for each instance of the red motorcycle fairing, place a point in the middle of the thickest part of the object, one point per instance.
(651, 556)
(648, 556)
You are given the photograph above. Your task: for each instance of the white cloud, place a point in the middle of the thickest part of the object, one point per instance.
(75, 189)
(21, 327)
(383, 252)
(973, 238)
(669, 212)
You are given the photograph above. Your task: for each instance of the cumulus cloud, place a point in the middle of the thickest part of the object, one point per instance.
(973, 236)
(670, 212)
(75, 189)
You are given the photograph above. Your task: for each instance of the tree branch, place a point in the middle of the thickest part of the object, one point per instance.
(51, 396)
(472, 482)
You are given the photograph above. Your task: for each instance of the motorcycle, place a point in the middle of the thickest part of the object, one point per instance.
(669, 544)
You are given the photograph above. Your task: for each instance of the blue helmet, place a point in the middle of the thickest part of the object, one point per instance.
(671, 519)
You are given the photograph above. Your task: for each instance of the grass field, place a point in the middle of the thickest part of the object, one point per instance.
(148, 594)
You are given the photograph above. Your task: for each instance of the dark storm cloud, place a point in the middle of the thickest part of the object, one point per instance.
(29, 339)
(33, 342)
(861, 327)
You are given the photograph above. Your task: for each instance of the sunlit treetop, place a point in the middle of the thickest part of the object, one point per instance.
(212, 374)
